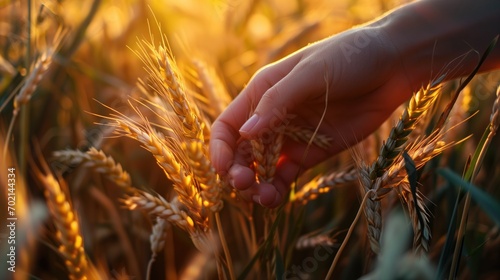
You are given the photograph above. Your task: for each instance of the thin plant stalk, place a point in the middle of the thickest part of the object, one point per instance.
(349, 233)
(224, 246)
(487, 137)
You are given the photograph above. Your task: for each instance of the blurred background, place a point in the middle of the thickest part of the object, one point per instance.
(91, 44)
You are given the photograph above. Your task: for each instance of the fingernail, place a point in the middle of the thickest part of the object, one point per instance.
(231, 181)
(249, 125)
(256, 199)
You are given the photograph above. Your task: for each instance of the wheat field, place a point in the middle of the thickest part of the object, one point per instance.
(105, 116)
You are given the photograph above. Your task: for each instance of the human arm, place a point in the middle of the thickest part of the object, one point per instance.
(370, 70)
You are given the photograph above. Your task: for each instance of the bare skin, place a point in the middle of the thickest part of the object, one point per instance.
(370, 71)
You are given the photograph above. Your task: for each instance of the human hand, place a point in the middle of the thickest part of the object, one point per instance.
(357, 78)
(356, 72)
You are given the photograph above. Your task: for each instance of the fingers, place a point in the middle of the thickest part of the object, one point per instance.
(225, 130)
(281, 98)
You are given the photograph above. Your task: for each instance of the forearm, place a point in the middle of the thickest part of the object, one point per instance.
(434, 37)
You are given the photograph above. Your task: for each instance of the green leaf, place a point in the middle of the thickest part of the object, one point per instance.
(489, 205)
(411, 170)
(280, 265)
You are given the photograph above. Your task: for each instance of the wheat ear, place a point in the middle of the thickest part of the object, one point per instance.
(324, 184)
(301, 134)
(422, 232)
(68, 229)
(157, 206)
(266, 152)
(39, 69)
(419, 104)
(213, 88)
(310, 241)
(99, 162)
(184, 183)
(165, 81)
(157, 240)
(205, 175)
(495, 114)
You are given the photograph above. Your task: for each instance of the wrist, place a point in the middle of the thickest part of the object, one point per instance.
(439, 37)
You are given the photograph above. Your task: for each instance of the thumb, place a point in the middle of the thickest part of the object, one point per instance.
(280, 101)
